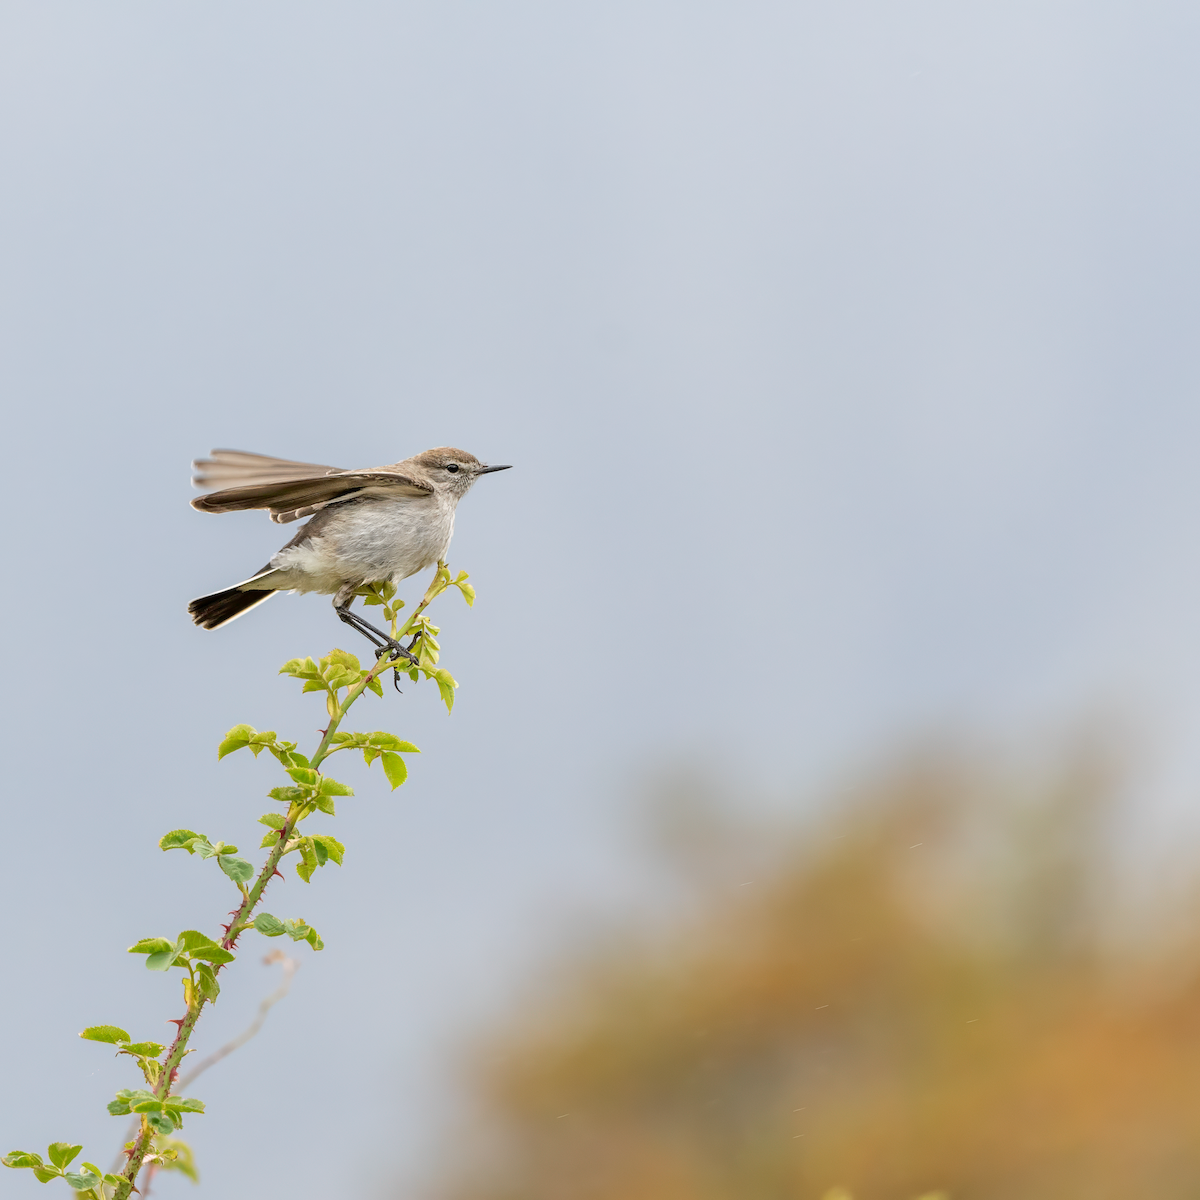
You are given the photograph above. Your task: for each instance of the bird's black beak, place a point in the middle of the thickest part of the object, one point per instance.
(489, 470)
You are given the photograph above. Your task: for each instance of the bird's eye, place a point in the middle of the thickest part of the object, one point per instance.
(452, 468)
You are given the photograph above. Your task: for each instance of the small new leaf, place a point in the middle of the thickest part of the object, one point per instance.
(151, 946)
(269, 926)
(199, 945)
(328, 848)
(240, 870)
(301, 668)
(206, 981)
(113, 1034)
(21, 1158)
(82, 1181)
(395, 768)
(180, 839)
(286, 795)
(235, 739)
(446, 685)
(62, 1154)
(275, 820)
(144, 1049)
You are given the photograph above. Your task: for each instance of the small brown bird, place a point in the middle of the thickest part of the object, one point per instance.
(368, 526)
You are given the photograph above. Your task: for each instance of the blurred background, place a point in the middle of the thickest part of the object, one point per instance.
(818, 808)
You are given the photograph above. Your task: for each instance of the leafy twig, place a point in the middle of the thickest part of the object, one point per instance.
(158, 1107)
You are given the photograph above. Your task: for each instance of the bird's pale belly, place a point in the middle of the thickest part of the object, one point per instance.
(366, 542)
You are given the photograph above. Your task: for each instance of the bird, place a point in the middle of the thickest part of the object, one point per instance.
(373, 525)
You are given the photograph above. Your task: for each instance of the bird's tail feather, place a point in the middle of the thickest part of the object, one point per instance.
(211, 612)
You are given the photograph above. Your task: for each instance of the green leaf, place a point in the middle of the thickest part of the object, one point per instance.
(151, 946)
(269, 926)
(82, 1181)
(302, 668)
(144, 1049)
(235, 739)
(375, 686)
(325, 804)
(394, 768)
(21, 1158)
(304, 775)
(193, 939)
(305, 870)
(214, 954)
(187, 1104)
(45, 1174)
(274, 820)
(260, 741)
(270, 838)
(163, 960)
(446, 685)
(286, 795)
(118, 1108)
(199, 945)
(330, 846)
(468, 592)
(331, 787)
(180, 839)
(107, 1033)
(342, 658)
(389, 741)
(238, 869)
(206, 981)
(322, 855)
(297, 929)
(160, 1122)
(62, 1154)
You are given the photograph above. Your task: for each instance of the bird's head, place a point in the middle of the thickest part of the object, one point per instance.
(450, 469)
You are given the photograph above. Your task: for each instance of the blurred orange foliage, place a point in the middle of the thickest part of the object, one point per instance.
(918, 994)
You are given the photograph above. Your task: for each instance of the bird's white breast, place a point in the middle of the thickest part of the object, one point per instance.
(369, 541)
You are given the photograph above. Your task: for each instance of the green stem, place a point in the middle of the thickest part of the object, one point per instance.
(241, 920)
(242, 917)
(174, 1058)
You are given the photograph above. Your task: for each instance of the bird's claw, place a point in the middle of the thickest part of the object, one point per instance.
(396, 648)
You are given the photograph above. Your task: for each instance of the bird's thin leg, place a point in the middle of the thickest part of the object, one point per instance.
(355, 623)
(383, 644)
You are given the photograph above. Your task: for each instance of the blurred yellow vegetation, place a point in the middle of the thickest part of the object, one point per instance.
(920, 994)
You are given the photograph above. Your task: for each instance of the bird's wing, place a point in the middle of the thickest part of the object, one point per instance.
(290, 499)
(237, 468)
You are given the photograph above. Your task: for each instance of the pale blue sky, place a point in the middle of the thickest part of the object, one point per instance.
(846, 356)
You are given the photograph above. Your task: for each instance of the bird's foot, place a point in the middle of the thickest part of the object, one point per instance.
(394, 647)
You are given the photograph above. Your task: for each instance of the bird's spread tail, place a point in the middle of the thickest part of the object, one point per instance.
(211, 612)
